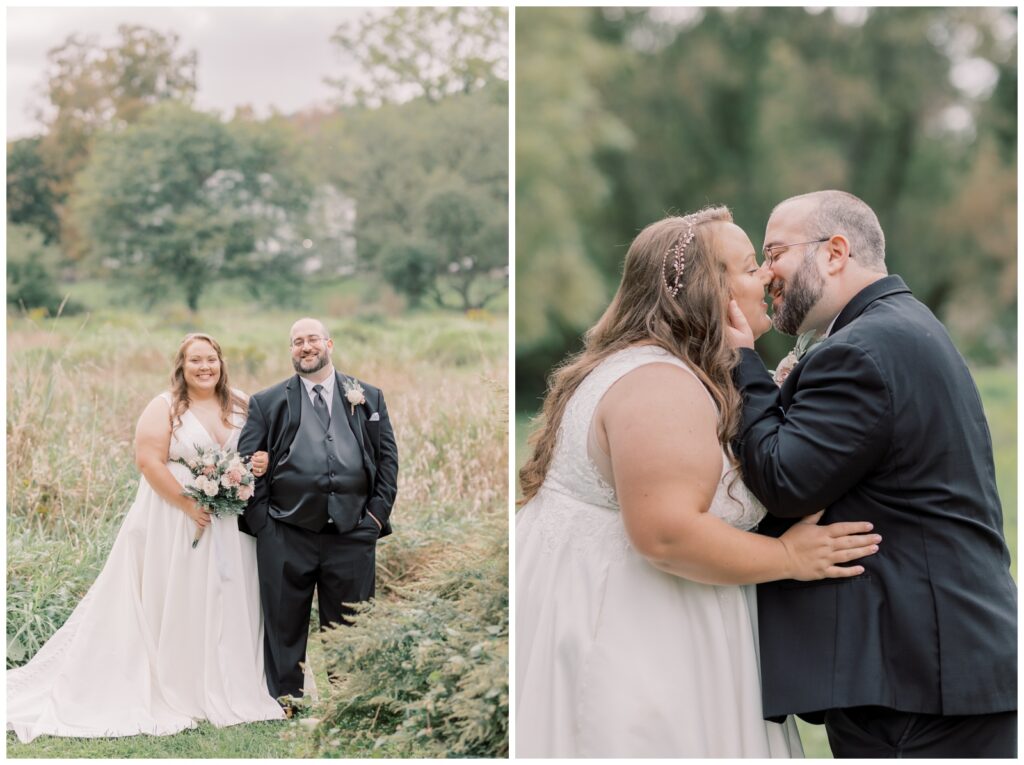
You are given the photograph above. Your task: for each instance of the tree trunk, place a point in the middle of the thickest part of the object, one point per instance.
(192, 293)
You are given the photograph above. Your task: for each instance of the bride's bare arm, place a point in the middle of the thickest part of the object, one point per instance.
(660, 429)
(152, 447)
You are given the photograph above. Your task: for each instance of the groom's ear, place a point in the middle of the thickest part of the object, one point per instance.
(838, 248)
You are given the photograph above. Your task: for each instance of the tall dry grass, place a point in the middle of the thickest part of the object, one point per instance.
(76, 386)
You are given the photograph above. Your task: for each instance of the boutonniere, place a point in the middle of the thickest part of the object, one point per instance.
(354, 393)
(803, 344)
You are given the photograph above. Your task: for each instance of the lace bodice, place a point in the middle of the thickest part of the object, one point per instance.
(191, 434)
(573, 473)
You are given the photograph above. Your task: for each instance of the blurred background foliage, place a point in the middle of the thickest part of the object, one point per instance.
(405, 179)
(626, 115)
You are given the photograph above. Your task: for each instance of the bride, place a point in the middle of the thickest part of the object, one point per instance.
(635, 635)
(167, 635)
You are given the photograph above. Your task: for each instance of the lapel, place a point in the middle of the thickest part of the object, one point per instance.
(884, 287)
(355, 419)
(294, 392)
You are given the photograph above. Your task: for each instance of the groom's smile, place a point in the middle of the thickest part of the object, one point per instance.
(311, 346)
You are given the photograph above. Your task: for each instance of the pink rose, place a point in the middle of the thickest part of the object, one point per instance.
(231, 478)
(785, 367)
(245, 492)
(209, 470)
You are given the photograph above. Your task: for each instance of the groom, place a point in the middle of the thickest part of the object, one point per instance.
(325, 500)
(879, 422)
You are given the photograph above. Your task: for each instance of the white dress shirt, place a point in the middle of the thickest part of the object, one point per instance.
(328, 392)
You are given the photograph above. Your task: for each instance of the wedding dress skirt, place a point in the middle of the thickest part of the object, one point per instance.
(615, 658)
(166, 636)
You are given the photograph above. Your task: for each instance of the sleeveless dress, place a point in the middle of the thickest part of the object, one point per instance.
(615, 658)
(167, 635)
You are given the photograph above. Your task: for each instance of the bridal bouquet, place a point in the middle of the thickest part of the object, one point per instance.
(223, 483)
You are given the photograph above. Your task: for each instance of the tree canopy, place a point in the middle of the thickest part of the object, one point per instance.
(409, 181)
(747, 106)
(180, 200)
(423, 52)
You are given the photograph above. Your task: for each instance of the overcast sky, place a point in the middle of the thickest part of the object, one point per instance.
(263, 57)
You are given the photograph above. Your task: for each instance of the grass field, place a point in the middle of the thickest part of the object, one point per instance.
(998, 388)
(75, 388)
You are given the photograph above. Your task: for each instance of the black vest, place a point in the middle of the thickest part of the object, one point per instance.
(322, 476)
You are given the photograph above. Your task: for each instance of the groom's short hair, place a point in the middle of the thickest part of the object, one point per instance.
(323, 327)
(839, 212)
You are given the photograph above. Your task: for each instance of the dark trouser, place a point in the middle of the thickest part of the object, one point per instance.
(882, 732)
(291, 562)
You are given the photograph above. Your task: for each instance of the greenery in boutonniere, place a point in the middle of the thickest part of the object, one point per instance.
(803, 344)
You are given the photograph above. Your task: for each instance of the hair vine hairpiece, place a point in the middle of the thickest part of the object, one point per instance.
(678, 253)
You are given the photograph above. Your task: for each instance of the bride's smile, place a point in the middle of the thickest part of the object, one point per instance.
(202, 367)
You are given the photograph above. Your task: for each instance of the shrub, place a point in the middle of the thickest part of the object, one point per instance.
(426, 674)
(30, 281)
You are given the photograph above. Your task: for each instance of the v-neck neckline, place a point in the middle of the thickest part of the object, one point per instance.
(209, 434)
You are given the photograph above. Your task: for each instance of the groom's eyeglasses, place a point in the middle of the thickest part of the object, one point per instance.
(313, 340)
(772, 252)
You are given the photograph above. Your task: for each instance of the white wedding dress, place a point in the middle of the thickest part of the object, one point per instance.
(615, 658)
(166, 636)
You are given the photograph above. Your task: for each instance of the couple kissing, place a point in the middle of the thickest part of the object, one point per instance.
(671, 473)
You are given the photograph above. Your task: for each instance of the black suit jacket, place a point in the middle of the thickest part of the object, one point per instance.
(882, 422)
(271, 426)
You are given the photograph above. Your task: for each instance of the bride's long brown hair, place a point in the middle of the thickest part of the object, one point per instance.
(690, 325)
(229, 400)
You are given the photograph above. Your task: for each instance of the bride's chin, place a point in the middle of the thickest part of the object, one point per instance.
(763, 326)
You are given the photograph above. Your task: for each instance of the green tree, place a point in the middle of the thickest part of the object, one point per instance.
(425, 152)
(748, 106)
(469, 233)
(178, 201)
(92, 89)
(30, 195)
(423, 52)
(562, 124)
(430, 181)
(31, 263)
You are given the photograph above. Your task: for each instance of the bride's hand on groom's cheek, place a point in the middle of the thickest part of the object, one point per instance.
(738, 331)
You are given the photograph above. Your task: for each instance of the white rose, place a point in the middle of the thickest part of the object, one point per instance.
(210, 488)
(210, 460)
(354, 396)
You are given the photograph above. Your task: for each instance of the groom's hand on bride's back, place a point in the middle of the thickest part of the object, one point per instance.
(738, 331)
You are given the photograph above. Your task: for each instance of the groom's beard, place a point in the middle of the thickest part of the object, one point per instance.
(321, 361)
(799, 297)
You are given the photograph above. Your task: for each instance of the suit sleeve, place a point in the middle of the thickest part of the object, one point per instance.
(253, 438)
(386, 482)
(837, 427)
